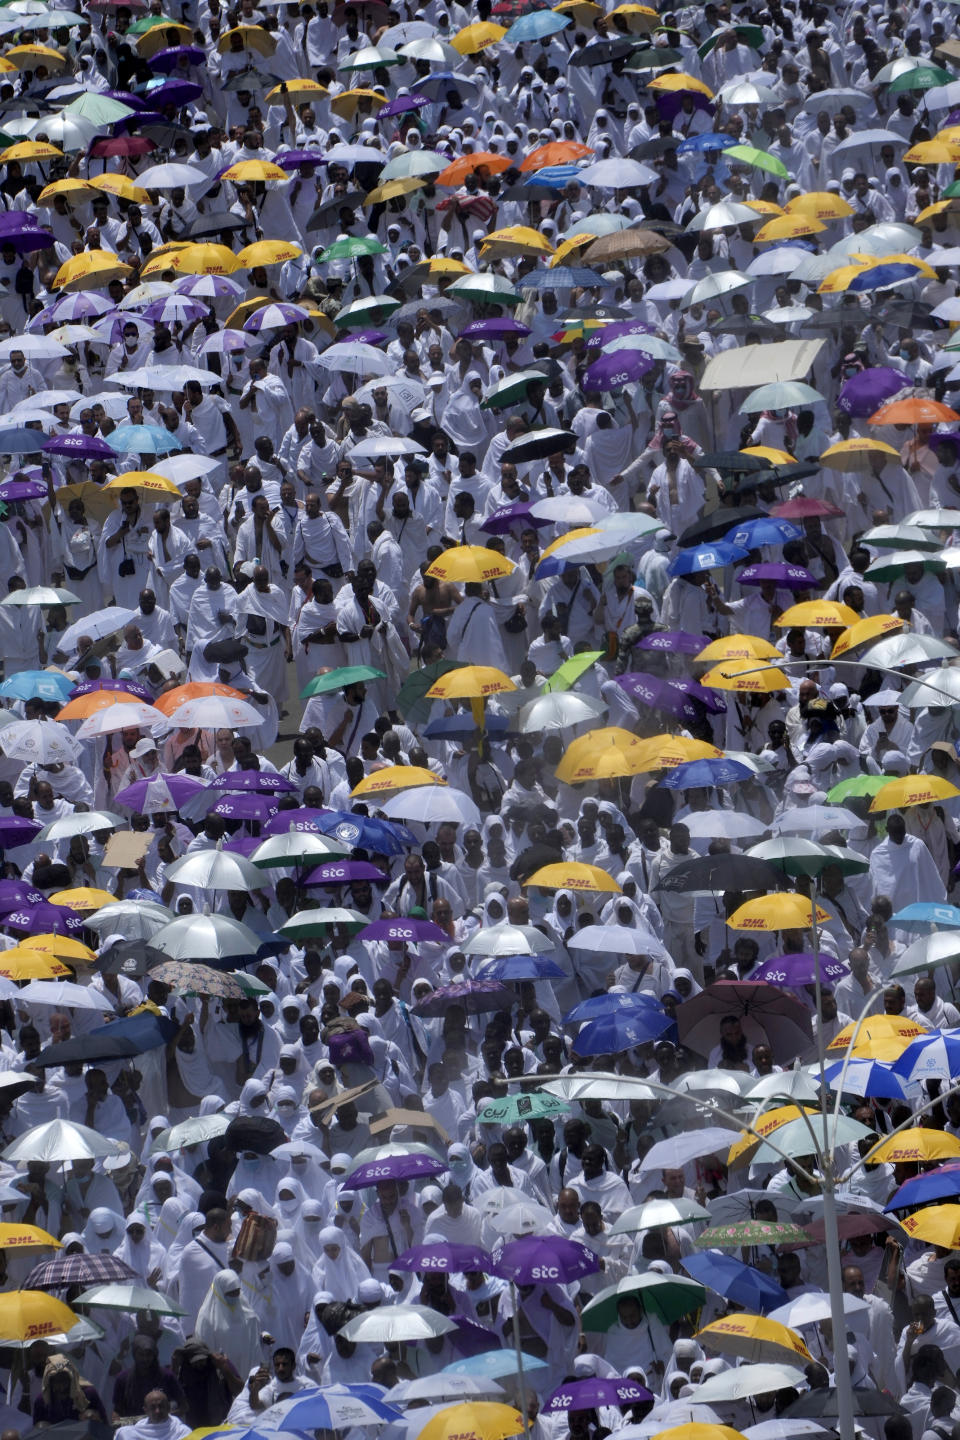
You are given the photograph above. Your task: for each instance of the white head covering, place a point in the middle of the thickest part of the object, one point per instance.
(227, 1324)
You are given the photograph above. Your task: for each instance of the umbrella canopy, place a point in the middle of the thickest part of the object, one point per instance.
(668, 1297)
(59, 1140)
(391, 1324)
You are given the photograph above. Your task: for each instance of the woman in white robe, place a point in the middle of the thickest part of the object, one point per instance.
(227, 1325)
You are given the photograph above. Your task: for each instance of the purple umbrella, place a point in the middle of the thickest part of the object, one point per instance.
(14, 893)
(505, 517)
(476, 997)
(602, 337)
(658, 694)
(83, 447)
(445, 1257)
(866, 392)
(674, 642)
(262, 780)
(12, 490)
(286, 820)
(44, 920)
(174, 92)
(472, 1338)
(797, 970)
(395, 1167)
(131, 687)
(245, 805)
(403, 104)
(342, 872)
(499, 325)
(368, 337)
(26, 238)
(292, 315)
(126, 97)
(789, 577)
(192, 310)
(401, 928)
(545, 1260)
(243, 845)
(592, 1393)
(220, 284)
(613, 372)
(166, 61)
(293, 159)
(181, 787)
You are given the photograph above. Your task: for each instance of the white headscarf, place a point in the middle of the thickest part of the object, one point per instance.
(340, 1274)
(226, 1323)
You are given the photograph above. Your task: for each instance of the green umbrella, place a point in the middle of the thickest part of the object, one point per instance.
(516, 1109)
(411, 699)
(952, 192)
(567, 674)
(336, 679)
(797, 856)
(371, 57)
(750, 155)
(486, 289)
(352, 246)
(308, 923)
(667, 1296)
(925, 77)
(249, 984)
(360, 313)
(752, 1232)
(148, 22)
(856, 785)
(512, 390)
(751, 35)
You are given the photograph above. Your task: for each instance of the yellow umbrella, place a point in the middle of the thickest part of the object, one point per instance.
(855, 454)
(673, 81)
(931, 152)
(391, 189)
(158, 38)
(939, 207)
(584, 12)
(582, 532)
(745, 677)
(870, 628)
(252, 170)
(899, 258)
(840, 280)
(474, 38)
(640, 19)
(699, 1431)
(147, 482)
(471, 564)
(396, 777)
(348, 102)
(83, 897)
(251, 37)
(567, 247)
(764, 207)
(573, 875)
(297, 91)
(18, 1236)
(765, 1125)
(122, 186)
(771, 453)
(267, 252)
(31, 1315)
(518, 240)
(879, 1037)
(606, 753)
(59, 945)
(29, 57)
(937, 1224)
(788, 227)
(739, 647)
(200, 259)
(22, 963)
(917, 1146)
(439, 265)
(815, 614)
(755, 1338)
(244, 310)
(71, 189)
(820, 204)
(473, 1420)
(470, 682)
(910, 790)
(663, 752)
(90, 270)
(31, 150)
(783, 911)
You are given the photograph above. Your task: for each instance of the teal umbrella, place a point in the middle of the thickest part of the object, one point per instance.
(100, 110)
(350, 247)
(517, 1109)
(924, 77)
(336, 679)
(667, 1296)
(411, 701)
(780, 394)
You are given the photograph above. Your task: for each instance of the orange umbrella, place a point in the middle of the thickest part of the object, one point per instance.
(914, 410)
(557, 152)
(193, 690)
(457, 172)
(86, 705)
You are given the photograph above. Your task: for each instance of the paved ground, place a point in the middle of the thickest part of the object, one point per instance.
(282, 751)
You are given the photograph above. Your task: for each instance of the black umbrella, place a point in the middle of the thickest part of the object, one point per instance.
(651, 57)
(715, 525)
(448, 308)
(120, 1040)
(603, 52)
(745, 325)
(722, 872)
(833, 319)
(254, 1132)
(658, 145)
(249, 80)
(817, 1403)
(67, 1270)
(537, 446)
(330, 209)
(910, 315)
(215, 224)
(732, 462)
(130, 957)
(525, 194)
(165, 136)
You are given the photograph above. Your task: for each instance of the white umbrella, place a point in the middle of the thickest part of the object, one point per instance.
(910, 649)
(721, 282)
(59, 1140)
(746, 1381)
(181, 468)
(356, 357)
(133, 919)
(67, 994)
(216, 870)
(33, 347)
(390, 1324)
(171, 176)
(100, 623)
(559, 709)
(207, 938)
(122, 1296)
(941, 688)
(81, 822)
(813, 819)
(617, 173)
(215, 712)
(777, 262)
(432, 805)
(784, 1429)
(724, 215)
(927, 952)
(70, 132)
(617, 939)
(430, 48)
(39, 742)
(523, 1218)
(441, 1387)
(124, 715)
(195, 1130)
(678, 1150)
(610, 1087)
(298, 847)
(379, 445)
(730, 824)
(495, 941)
(745, 92)
(413, 164)
(569, 509)
(785, 1084)
(40, 595)
(658, 1212)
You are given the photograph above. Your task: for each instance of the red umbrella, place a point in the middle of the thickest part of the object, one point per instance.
(122, 145)
(765, 1012)
(803, 506)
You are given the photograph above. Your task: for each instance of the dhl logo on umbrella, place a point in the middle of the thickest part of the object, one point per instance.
(38, 1328)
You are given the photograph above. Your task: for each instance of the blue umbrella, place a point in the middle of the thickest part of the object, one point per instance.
(463, 724)
(697, 144)
(446, 78)
(879, 277)
(37, 685)
(934, 1056)
(492, 1364)
(520, 967)
(537, 25)
(335, 1407)
(735, 1281)
(383, 837)
(563, 277)
(868, 1078)
(611, 1003)
(701, 773)
(612, 1034)
(940, 1184)
(142, 440)
(706, 557)
(766, 530)
(921, 915)
(18, 440)
(555, 176)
